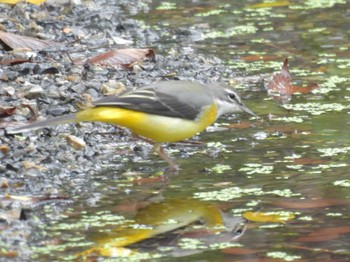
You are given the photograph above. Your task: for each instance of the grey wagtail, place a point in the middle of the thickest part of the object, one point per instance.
(166, 111)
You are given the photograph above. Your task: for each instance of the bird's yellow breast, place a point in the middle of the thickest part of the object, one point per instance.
(155, 127)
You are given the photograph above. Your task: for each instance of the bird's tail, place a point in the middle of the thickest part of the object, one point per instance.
(42, 124)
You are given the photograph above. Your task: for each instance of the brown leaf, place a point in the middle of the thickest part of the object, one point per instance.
(307, 203)
(281, 83)
(15, 61)
(7, 111)
(239, 251)
(309, 161)
(122, 57)
(15, 41)
(304, 90)
(241, 125)
(289, 129)
(326, 234)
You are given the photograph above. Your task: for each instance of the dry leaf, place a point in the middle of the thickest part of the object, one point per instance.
(239, 251)
(7, 111)
(121, 57)
(281, 83)
(241, 125)
(15, 41)
(309, 161)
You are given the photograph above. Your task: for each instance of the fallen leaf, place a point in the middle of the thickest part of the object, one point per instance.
(289, 129)
(326, 234)
(241, 125)
(309, 161)
(281, 83)
(273, 217)
(15, 61)
(238, 251)
(121, 57)
(7, 111)
(15, 41)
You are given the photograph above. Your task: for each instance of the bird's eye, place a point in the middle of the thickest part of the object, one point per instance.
(232, 96)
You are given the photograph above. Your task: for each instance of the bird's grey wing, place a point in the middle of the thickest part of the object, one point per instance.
(153, 101)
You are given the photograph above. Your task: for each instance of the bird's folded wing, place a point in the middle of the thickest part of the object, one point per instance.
(152, 101)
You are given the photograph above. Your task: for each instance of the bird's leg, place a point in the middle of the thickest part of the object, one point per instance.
(157, 148)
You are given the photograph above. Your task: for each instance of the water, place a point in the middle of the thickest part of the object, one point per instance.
(294, 159)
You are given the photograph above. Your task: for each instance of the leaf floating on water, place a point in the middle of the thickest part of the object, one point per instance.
(281, 83)
(239, 251)
(241, 125)
(273, 217)
(15, 41)
(309, 161)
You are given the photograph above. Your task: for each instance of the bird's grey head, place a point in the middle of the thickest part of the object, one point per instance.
(229, 100)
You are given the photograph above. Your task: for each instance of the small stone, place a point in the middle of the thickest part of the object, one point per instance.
(75, 142)
(33, 91)
(112, 87)
(9, 90)
(57, 111)
(4, 183)
(4, 149)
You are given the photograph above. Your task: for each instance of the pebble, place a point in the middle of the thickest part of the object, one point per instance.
(76, 142)
(33, 91)
(9, 90)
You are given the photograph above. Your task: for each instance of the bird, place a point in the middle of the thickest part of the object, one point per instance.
(162, 112)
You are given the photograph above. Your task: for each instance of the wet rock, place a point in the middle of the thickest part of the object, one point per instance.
(33, 91)
(57, 111)
(78, 88)
(9, 90)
